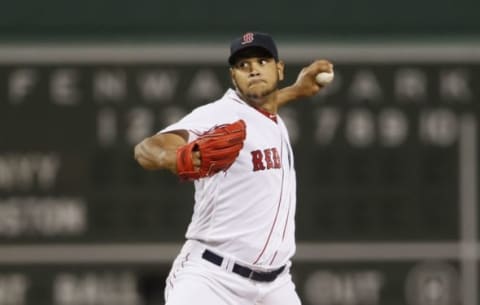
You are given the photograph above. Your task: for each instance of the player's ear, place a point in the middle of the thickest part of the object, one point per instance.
(280, 69)
(232, 77)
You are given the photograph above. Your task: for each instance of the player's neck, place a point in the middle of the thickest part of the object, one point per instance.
(266, 103)
(266, 106)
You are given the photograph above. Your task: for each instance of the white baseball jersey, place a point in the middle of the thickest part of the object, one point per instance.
(248, 211)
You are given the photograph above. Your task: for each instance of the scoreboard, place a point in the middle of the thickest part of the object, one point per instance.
(386, 159)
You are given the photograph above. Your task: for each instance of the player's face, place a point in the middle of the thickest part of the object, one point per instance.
(256, 77)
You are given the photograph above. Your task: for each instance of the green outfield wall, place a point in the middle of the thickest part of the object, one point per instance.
(177, 20)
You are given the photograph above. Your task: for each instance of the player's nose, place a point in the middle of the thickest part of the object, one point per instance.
(254, 70)
(254, 67)
(254, 73)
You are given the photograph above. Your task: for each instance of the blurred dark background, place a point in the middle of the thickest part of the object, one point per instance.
(386, 156)
(163, 20)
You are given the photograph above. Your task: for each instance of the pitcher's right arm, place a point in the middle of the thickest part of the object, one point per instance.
(160, 151)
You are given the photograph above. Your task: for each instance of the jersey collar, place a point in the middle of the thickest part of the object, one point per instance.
(233, 94)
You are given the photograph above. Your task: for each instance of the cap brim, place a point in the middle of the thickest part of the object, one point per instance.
(233, 56)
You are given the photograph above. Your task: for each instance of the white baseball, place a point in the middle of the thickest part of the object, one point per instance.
(324, 78)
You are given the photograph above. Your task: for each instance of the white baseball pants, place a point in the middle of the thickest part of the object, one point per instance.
(194, 280)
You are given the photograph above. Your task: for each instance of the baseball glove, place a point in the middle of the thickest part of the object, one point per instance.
(218, 148)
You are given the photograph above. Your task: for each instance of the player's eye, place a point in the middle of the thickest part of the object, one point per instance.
(242, 64)
(263, 61)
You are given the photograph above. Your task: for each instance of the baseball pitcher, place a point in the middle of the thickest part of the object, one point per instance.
(237, 152)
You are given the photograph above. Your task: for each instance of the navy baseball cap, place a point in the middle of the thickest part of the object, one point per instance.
(252, 39)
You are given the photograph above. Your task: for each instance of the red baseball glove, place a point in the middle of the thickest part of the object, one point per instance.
(218, 148)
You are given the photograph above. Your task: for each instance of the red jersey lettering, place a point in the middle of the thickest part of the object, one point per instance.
(268, 157)
(257, 160)
(276, 158)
